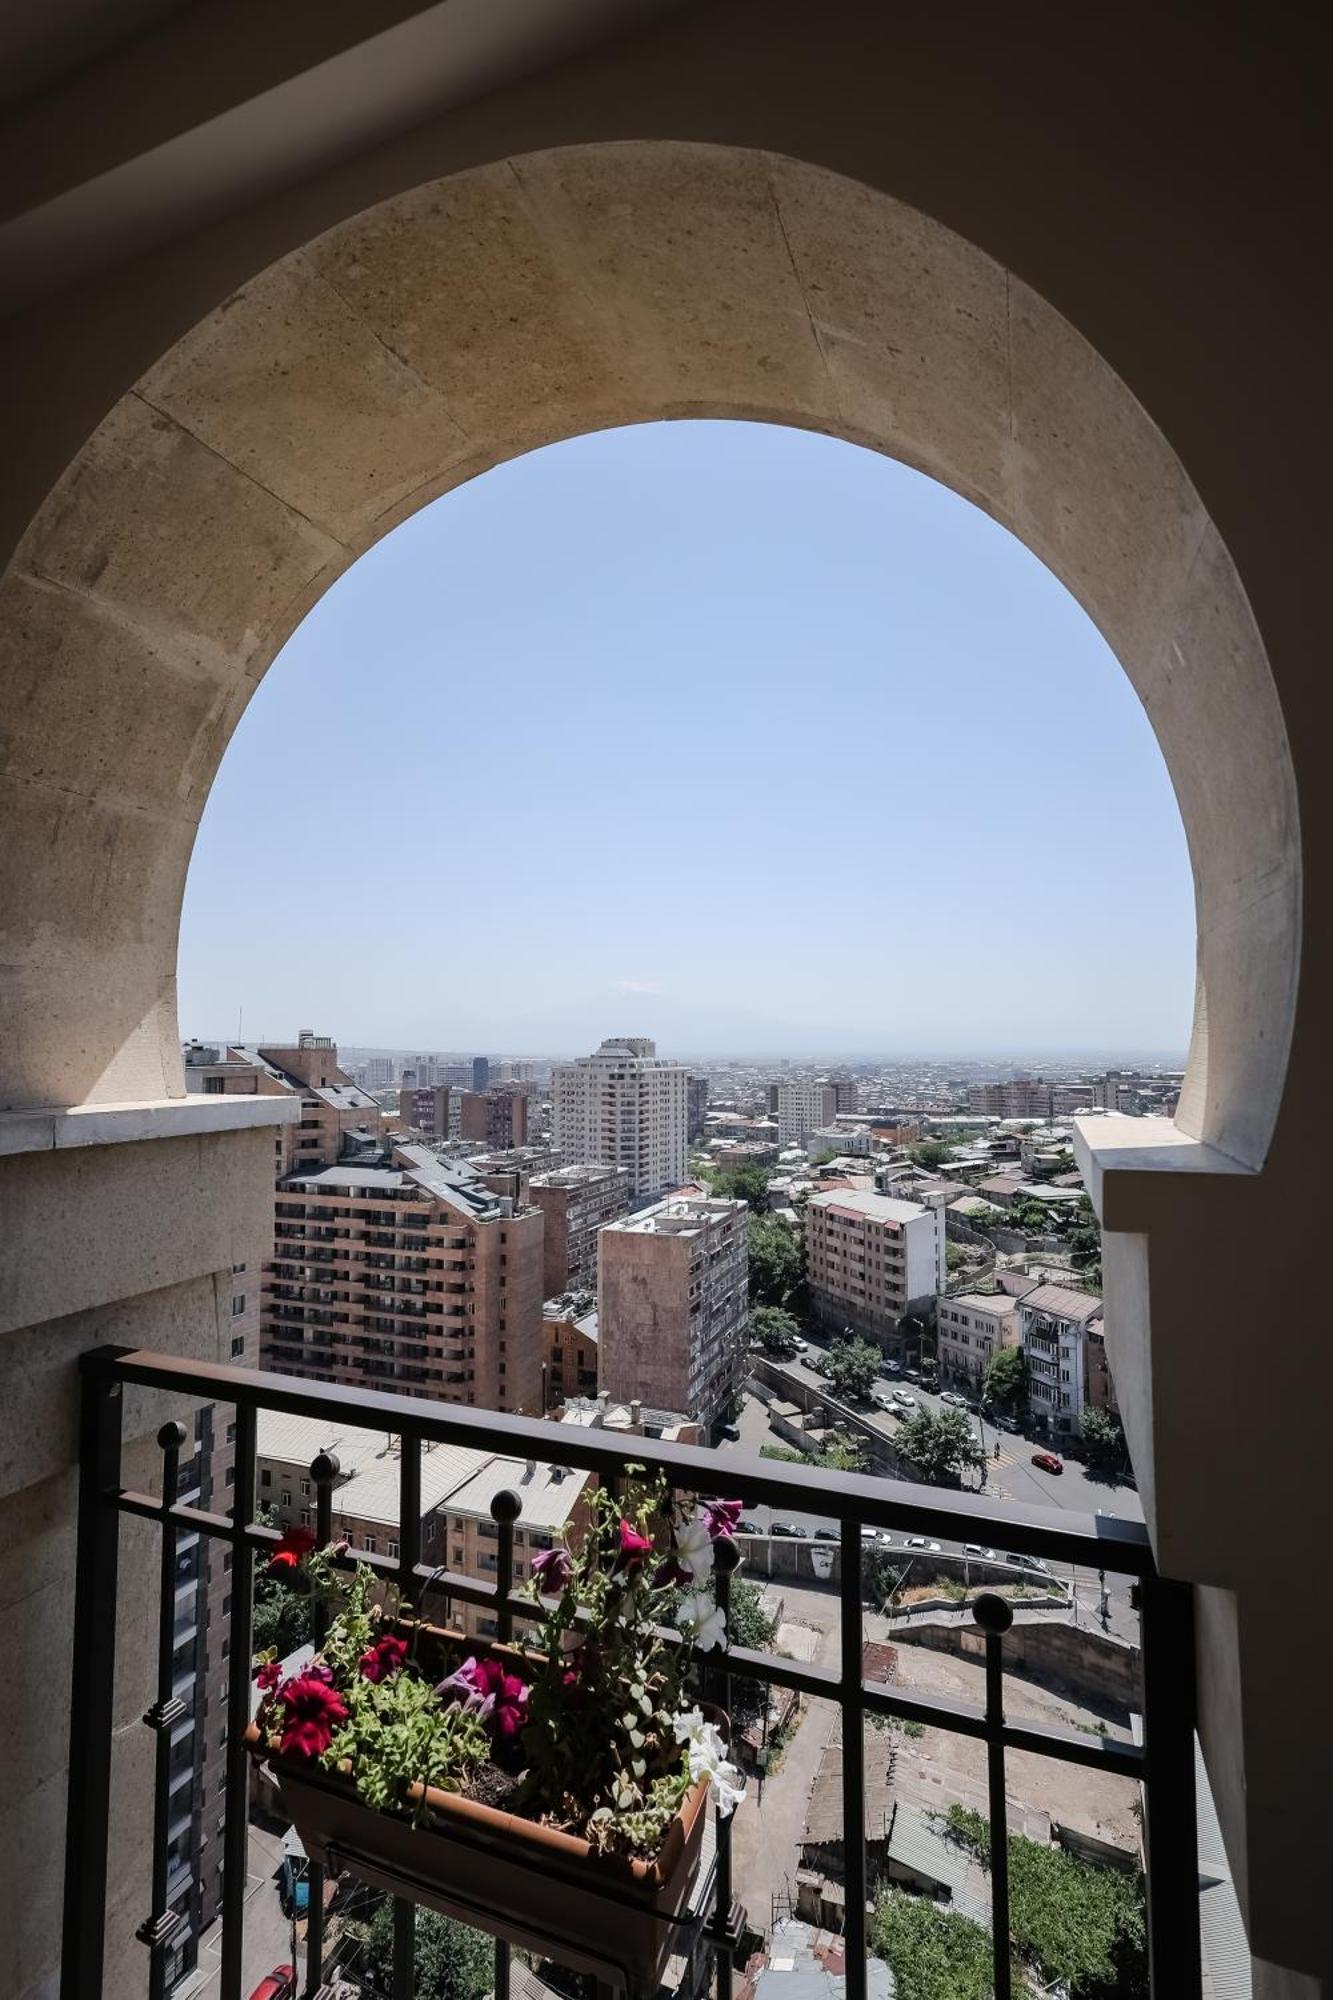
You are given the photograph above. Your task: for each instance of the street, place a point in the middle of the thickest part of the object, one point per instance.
(1011, 1476)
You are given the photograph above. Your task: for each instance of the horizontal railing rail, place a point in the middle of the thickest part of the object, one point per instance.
(1162, 1761)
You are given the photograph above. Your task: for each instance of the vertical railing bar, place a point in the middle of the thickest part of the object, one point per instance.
(92, 1684)
(235, 1840)
(1170, 1823)
(506, 1507)
(853, 1759)
(994, 1616)
(725, 1558)
(161, 1927)
(409, 1554)
(324, 1470)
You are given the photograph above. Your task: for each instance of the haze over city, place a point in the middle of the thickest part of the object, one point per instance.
(736, 736)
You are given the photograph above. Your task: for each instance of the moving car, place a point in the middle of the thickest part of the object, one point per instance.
(952, 1397)
(750, 1528)
(827, 1535)
(920, 1542)
(1046, 1461)
(280, 1984)
(975, 1549)
(790, 1530)
(1030, 1562)
(892, 1368)
(904, 1401)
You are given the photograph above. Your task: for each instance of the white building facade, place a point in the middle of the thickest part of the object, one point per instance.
(972, 1328)
(804, 1108)
(871, 1259)
(1053, 1321)
(624, 1107)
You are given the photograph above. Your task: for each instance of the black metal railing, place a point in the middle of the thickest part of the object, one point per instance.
(1162, 1761)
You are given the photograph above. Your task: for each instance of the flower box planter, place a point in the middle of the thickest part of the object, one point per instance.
(618, 1917)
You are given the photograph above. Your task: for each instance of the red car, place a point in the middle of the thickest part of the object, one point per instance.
(279, 1985)
(1047, 1461)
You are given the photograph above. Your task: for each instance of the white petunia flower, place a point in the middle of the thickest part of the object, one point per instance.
(694, 1549)
(703, 1620)
(708, 1758)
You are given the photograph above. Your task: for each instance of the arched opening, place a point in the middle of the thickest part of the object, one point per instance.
(469, 320)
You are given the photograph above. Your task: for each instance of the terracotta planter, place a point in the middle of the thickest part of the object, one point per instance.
(613, 1916)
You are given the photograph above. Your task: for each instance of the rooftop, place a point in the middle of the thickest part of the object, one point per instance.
(1063, 1303)
(869, 1207)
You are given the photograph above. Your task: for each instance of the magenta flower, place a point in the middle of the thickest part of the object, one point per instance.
(464, 1684)
(269, 1674)
(633, 1548)
(311, 1710)
(721, 1517)
(551, 1572)
(497, 1697)
(384, 1659)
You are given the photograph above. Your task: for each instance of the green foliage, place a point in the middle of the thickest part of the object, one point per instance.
(777, 1262)
(1103, 1440)
(940, 1448)
(748, 1183)
(452, 1961)
(775, 1329)
(840, 1457)
(933, 1954)
(282, 1619)
(1078, 1925)
(931, 1154)
(748, 1625)
(853, 1366)
(954, 1256)
(1007, 1378)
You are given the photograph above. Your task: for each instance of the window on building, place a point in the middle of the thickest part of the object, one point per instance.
(238, 1345)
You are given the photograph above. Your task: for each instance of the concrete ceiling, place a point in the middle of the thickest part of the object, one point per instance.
(153, 117)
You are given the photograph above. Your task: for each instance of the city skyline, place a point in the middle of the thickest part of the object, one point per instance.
(760, 735)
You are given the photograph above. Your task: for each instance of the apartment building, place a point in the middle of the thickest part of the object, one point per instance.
(576, 1202)
(803, 1108)
(1098, 1382)
(496, 1117)
(870, 1259)
(404, 1271)
(569, 1325)
(846, 1094)
(334, 1110)
(425, 1108)
(841, 1142)
(626, 1107)
(481, 1074)
(673, 1305)
(458, 1485)
(697, 1100)
(1053, 1324)
(972, 1327)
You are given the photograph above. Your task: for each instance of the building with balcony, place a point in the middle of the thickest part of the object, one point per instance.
(424, 1108)
(575, 1203)
(870, 1259)
(971, 1329)
(804, 1108)
(673, 1302)
(1053, 1326)
(624, 1107)
(406, 1272)
(497, 1117)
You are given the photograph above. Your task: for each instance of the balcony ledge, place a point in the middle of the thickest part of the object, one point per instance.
(55, 1129)
(1128, 1164)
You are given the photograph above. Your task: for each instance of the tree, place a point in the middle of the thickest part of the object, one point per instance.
(453, 1962)
(776, 1330)
(940, 1448)
(933, 1954)
(852, 1368)
(954, 1255)
(1103, 1440)
(931, 1154)
(1007, 1378)
(749, 1626)
(749, 1183)
(777, 1261)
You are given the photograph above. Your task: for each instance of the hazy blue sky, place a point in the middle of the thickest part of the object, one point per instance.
(740, 737)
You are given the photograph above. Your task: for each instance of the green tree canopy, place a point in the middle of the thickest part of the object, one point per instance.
(852, 1368)
(777, 1262)
(776, 1330)
(931, 1153)
(940, 1448)
(1103, 1440)
(1007, 1378)
(453, 1962)
(933, 1954)
(748, 1183)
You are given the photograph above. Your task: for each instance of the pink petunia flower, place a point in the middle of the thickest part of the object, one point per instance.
(634, 1547)
(721, 1517)
(384, 1659)
(311, 1711)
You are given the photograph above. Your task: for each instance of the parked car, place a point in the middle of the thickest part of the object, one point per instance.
(750, 1528)
(920, 1542)
(892, 1368)
(827, 1535)
(1046, 1461)
(800, 1345)
(952, 1397)
(913, 1374)
(1030, 1562)
(790, 1530)
(904, 1401)
(280, 1984)
(1003, 1422)
(975, 1549)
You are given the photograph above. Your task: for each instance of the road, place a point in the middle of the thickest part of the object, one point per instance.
(1012, 1477)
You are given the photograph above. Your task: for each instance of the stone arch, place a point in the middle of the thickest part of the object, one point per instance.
(502, 308)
